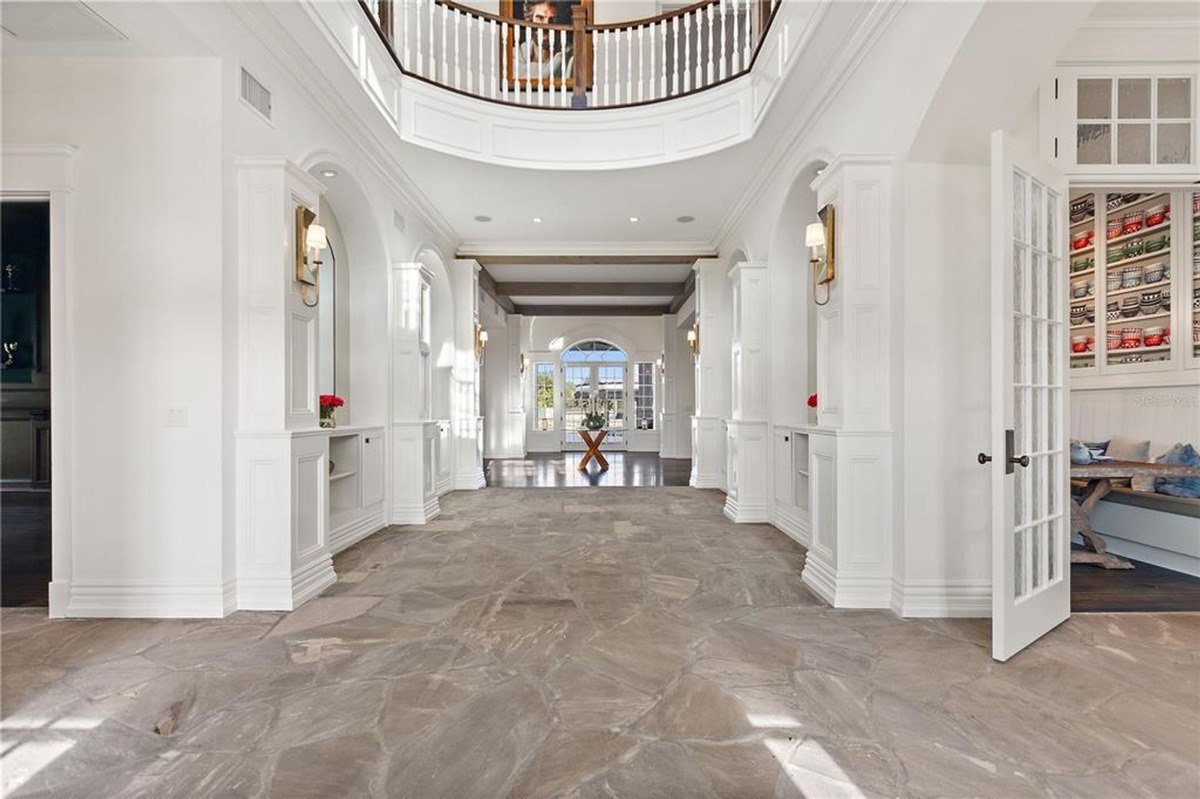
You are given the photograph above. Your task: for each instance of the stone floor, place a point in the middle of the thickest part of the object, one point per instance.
(561, 470)
(585, 643)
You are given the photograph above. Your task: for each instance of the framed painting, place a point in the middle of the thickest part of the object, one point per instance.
(534, 56)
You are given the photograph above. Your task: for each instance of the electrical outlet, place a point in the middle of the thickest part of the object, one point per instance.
(177, 416)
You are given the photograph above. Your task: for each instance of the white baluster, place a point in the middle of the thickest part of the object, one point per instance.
(431, 67)
(629, 65)
(420, 64)
(561, 37)
(505, 67)
(709, 76)
(479, 66)
(455, 53)
(735, 63)
(641, 47)
(687, 53)
(605, 42)
(539, 42)
(675, 55)
(444, 68)
(749, 37)
(662, 57)
(723, 56)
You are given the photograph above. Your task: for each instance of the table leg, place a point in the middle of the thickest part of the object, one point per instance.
(1081, 515)
(593, 450)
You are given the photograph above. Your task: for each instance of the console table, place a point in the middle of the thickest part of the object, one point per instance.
(593, 448)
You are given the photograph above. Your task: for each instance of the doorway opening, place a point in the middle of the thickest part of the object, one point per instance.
(25, 529)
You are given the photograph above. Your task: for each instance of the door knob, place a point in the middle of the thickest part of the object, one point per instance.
(1022, 461)
(983, 459)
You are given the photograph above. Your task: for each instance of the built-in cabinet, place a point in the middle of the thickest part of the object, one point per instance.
(356, 489)
(1134, 281)
(792, 507)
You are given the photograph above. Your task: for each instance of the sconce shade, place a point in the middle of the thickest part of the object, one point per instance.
(691, 336)
(814, 235)
(483, 336)
(315, 239)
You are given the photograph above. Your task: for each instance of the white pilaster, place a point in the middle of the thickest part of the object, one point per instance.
(414, 499)
(466, 423)
(517, 385)
(712, 375)
(851, 462)
(282, 501)
(747, 452)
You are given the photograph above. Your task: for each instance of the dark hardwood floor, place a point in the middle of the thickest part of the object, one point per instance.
(24, 548)
(561, 470)
(1144, 589)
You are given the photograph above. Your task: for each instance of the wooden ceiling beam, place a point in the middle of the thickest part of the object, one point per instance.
(592, 310)
(489, 286)
(689, 286)
(591, 289)
(583, 260)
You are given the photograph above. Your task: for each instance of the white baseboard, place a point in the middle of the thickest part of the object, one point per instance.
(792, 523)
(143, 600)
(745, 512)
(416, 514)
(846, 591)
(350, 534)
(311, 580)
(229, 596)
(470, 482)
(818, 575)
(60, 598)
(283, 593)
(707, 481)
(942, 599)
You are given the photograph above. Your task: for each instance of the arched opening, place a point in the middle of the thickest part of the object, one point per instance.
(595, 374)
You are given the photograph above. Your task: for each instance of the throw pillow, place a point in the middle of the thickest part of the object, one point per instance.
(1096, 448)
(1080, 454)
(1179, 455)
(1123, 448)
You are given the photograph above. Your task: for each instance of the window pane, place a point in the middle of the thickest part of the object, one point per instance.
(1094, 98)
(1133, 98)
(1133, 144)
(643, 396)
(1174, 98)
(1174, 143)
(1093, 144)
(543, 382)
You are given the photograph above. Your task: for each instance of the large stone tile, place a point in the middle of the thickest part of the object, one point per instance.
(657, 770)
(568, 758)
(695, 708)
(343, 766)
(585, 699)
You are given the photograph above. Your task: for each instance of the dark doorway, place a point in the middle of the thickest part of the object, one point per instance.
(24, 402)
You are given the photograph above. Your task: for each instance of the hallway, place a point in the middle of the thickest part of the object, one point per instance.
(591, 643)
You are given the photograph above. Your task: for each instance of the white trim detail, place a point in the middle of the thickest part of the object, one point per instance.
(934, 599)
(137, 600)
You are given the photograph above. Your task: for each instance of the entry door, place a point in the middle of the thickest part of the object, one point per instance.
(595, 385)
(1031, 570)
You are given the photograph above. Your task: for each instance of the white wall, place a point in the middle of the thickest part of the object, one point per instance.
(145, 315)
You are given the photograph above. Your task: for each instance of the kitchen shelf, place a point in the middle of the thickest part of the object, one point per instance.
(1082, 272)
(1083, 326)
(1082, 222)
(1162, 284)
(1083, 354)
(1132, 319)
(1121, 209)
(1084, 251)
(1139, 258)
(1146, 231)
(1138, 350)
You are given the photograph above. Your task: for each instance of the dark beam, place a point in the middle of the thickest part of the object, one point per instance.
(592, 310)
(689, 286)
(488, 284)
(573, 289)
(583, 260)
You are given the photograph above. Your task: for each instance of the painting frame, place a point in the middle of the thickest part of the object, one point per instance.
(516, 61)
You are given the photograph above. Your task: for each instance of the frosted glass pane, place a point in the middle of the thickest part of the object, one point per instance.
(1093, 99)
(1037, 280)
(1019, 209)
(1019, 357)
(1133, 98)
(1133, 144)
(1036, 556)
(1019, 563)
(1051, 222)
(1036, 230)
(1174, 98)
(1174, 143)
(1052, 548)
(1020, 279)
(1093, 144)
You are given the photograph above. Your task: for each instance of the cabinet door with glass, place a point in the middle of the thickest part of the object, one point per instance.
(1192, 284)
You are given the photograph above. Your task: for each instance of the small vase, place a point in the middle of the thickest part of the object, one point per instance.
(328, 421)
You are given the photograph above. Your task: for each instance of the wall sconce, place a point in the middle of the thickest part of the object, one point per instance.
(693, 340)
(661, 363)
(522, 363)
(819, 238)
(481, 337)
(310, 238)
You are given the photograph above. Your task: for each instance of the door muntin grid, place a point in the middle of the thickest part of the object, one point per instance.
(1039, 521)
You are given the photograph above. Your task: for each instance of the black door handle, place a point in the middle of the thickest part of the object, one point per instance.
(1022, 461)
(983, 459)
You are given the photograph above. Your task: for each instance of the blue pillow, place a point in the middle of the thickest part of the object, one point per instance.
(1097, 448)
(1179, 455)
(1080, 454)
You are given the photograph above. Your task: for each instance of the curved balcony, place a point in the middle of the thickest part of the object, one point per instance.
(571, 62)
(583, 96)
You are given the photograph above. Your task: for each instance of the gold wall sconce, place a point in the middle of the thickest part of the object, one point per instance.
(661, 363)
(522, 363)
(693, 340)
(310, 240)
(820, 238)
(481, 339)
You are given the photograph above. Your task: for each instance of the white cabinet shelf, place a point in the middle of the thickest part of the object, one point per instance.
(355, 485)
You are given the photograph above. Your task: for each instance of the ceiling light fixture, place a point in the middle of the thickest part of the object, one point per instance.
(633, 219)
(537, 219)
(483, 218)
(685, 219)
(328, 173)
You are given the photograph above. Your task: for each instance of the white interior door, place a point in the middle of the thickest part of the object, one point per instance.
(1031, 592)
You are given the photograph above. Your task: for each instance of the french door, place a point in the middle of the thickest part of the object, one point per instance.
(1031, 570)
(593, 386)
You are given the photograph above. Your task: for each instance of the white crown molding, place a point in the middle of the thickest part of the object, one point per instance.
(340, 114)
(852, 54)
(1140, 23)
(584, 248)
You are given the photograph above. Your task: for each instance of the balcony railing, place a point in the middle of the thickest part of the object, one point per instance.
(572, 62)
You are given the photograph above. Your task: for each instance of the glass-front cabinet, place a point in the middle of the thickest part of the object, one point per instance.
(1134, 290)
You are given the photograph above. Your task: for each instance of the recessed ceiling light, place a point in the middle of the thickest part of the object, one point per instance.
(328, 173)
(483, 218)
(633, 219)
(685, 218)
(537, 219)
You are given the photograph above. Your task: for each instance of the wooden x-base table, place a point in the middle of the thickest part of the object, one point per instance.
(1099, 478)
(593, 449)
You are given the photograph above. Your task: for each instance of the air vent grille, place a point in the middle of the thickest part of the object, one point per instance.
(257, 95)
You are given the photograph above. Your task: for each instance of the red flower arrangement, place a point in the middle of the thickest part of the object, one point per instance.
(329, 403)
(812, 400)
